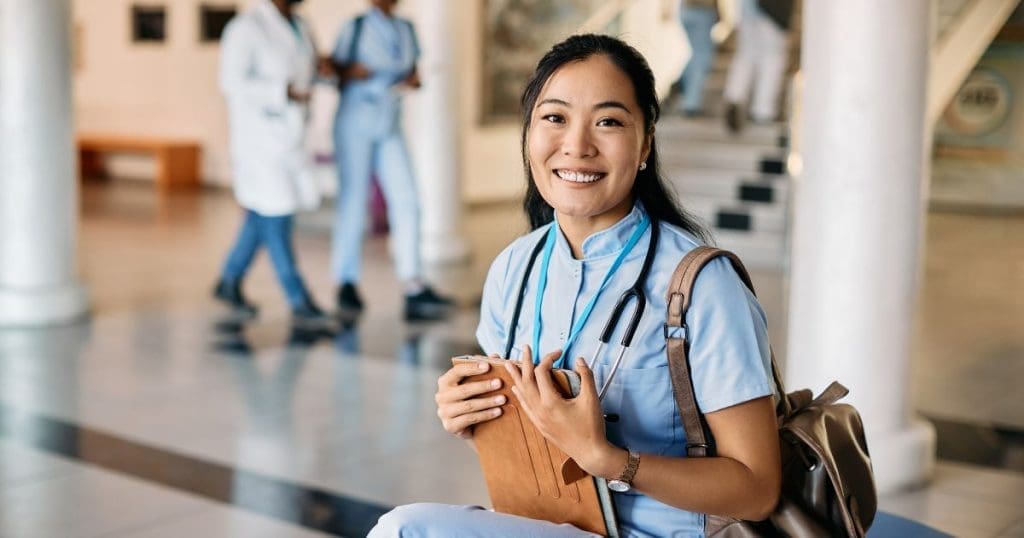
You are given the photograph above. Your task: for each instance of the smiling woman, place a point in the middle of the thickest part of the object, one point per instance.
(615, 83)
(586, 141)
(594, 200)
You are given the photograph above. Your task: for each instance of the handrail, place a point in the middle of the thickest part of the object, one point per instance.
(955, 55)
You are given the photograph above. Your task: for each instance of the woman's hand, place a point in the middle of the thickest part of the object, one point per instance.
(576, 425)
(459, 405)
(299, 96)
(355, 71)
(412, 80)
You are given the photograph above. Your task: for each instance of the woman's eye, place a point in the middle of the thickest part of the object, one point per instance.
(553, 118)
(609, 122)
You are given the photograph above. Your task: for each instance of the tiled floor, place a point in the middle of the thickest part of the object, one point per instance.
(352, 413)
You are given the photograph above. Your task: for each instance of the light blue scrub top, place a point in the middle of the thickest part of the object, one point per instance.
(729, 351)
(389, 49)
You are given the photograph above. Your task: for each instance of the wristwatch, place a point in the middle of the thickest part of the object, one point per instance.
(624, 482)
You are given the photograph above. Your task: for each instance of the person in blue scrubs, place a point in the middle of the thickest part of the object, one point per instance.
(592, 169)
(375, 58)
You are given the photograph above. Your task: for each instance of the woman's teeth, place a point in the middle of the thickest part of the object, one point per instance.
(578, 177)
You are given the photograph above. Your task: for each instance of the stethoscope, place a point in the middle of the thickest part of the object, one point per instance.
(636, 291)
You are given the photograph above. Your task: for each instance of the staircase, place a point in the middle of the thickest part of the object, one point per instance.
(736, 185)
(739, 185)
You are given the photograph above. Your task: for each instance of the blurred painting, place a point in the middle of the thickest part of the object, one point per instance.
(516, 34)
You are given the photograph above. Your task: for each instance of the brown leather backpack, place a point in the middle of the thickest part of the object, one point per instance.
(828, 488)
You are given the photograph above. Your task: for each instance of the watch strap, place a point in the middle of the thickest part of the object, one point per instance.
(632, 464)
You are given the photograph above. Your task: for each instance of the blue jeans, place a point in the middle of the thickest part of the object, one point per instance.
(275, 233)
(697, 21)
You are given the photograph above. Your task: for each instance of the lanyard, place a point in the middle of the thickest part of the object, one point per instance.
(549, 247)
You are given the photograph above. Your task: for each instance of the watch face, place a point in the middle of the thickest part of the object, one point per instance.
(618, 486)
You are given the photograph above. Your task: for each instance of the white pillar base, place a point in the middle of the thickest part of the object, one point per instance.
(904, 458)
(445, 250)
(42, 306)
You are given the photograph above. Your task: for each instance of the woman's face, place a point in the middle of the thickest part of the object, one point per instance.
(587, 140)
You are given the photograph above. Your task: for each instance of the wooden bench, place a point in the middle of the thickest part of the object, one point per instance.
(177, 161)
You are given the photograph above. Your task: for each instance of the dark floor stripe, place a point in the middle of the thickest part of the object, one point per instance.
(294, 503)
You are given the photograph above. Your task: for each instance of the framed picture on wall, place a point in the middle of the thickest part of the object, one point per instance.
(212, 21)
(516, 33)
(149, 24)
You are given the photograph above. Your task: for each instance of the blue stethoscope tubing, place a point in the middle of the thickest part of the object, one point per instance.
(634, 292)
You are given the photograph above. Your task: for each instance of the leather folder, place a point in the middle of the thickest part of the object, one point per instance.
(529, 476)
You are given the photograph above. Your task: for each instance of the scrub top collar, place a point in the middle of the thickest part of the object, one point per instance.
(376, 13)
(388, 26)
(607, 242)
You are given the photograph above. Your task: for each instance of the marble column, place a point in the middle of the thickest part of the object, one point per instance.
(434, 134)
(38, 184)
(858, 219)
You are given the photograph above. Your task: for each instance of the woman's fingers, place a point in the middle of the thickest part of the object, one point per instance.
(465, 407)
(466, 390)
(458, 403)
(526, 364)
(458, 425)
(460, 371)
(588, 387)
(545, 385)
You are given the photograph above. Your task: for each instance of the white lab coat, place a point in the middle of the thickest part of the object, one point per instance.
(261, 54)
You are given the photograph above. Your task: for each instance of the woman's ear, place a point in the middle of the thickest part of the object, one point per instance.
(645, 150)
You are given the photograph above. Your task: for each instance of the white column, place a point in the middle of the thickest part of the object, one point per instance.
(435, 114)
(859, 217)
(38, 185)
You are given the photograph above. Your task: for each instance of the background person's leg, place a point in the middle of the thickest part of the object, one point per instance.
(697, 22)
(244, 250)
(399, 186)
(354, 154)
(741, 70)
(395, 176)
(276, 233)
(771, 69)
(229, 287)
(430, 520)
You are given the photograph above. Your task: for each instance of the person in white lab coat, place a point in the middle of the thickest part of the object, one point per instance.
(267, 67)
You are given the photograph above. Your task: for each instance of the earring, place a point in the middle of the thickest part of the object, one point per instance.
(643, 165)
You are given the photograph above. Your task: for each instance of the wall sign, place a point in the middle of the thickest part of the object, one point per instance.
(982, 105)
(149, 24)
(212, 20)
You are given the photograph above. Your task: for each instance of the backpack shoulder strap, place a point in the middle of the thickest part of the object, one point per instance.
(357, 31)
(679, 299)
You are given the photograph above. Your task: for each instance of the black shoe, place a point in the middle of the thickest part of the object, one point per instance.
(734, 118)
(230, 293)
(427, 305)
(349, 301)
(308, 313)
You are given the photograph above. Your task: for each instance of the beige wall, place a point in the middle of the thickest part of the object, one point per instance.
(171, 89)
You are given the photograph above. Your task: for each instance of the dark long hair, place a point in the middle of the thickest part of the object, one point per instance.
(649, 187)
